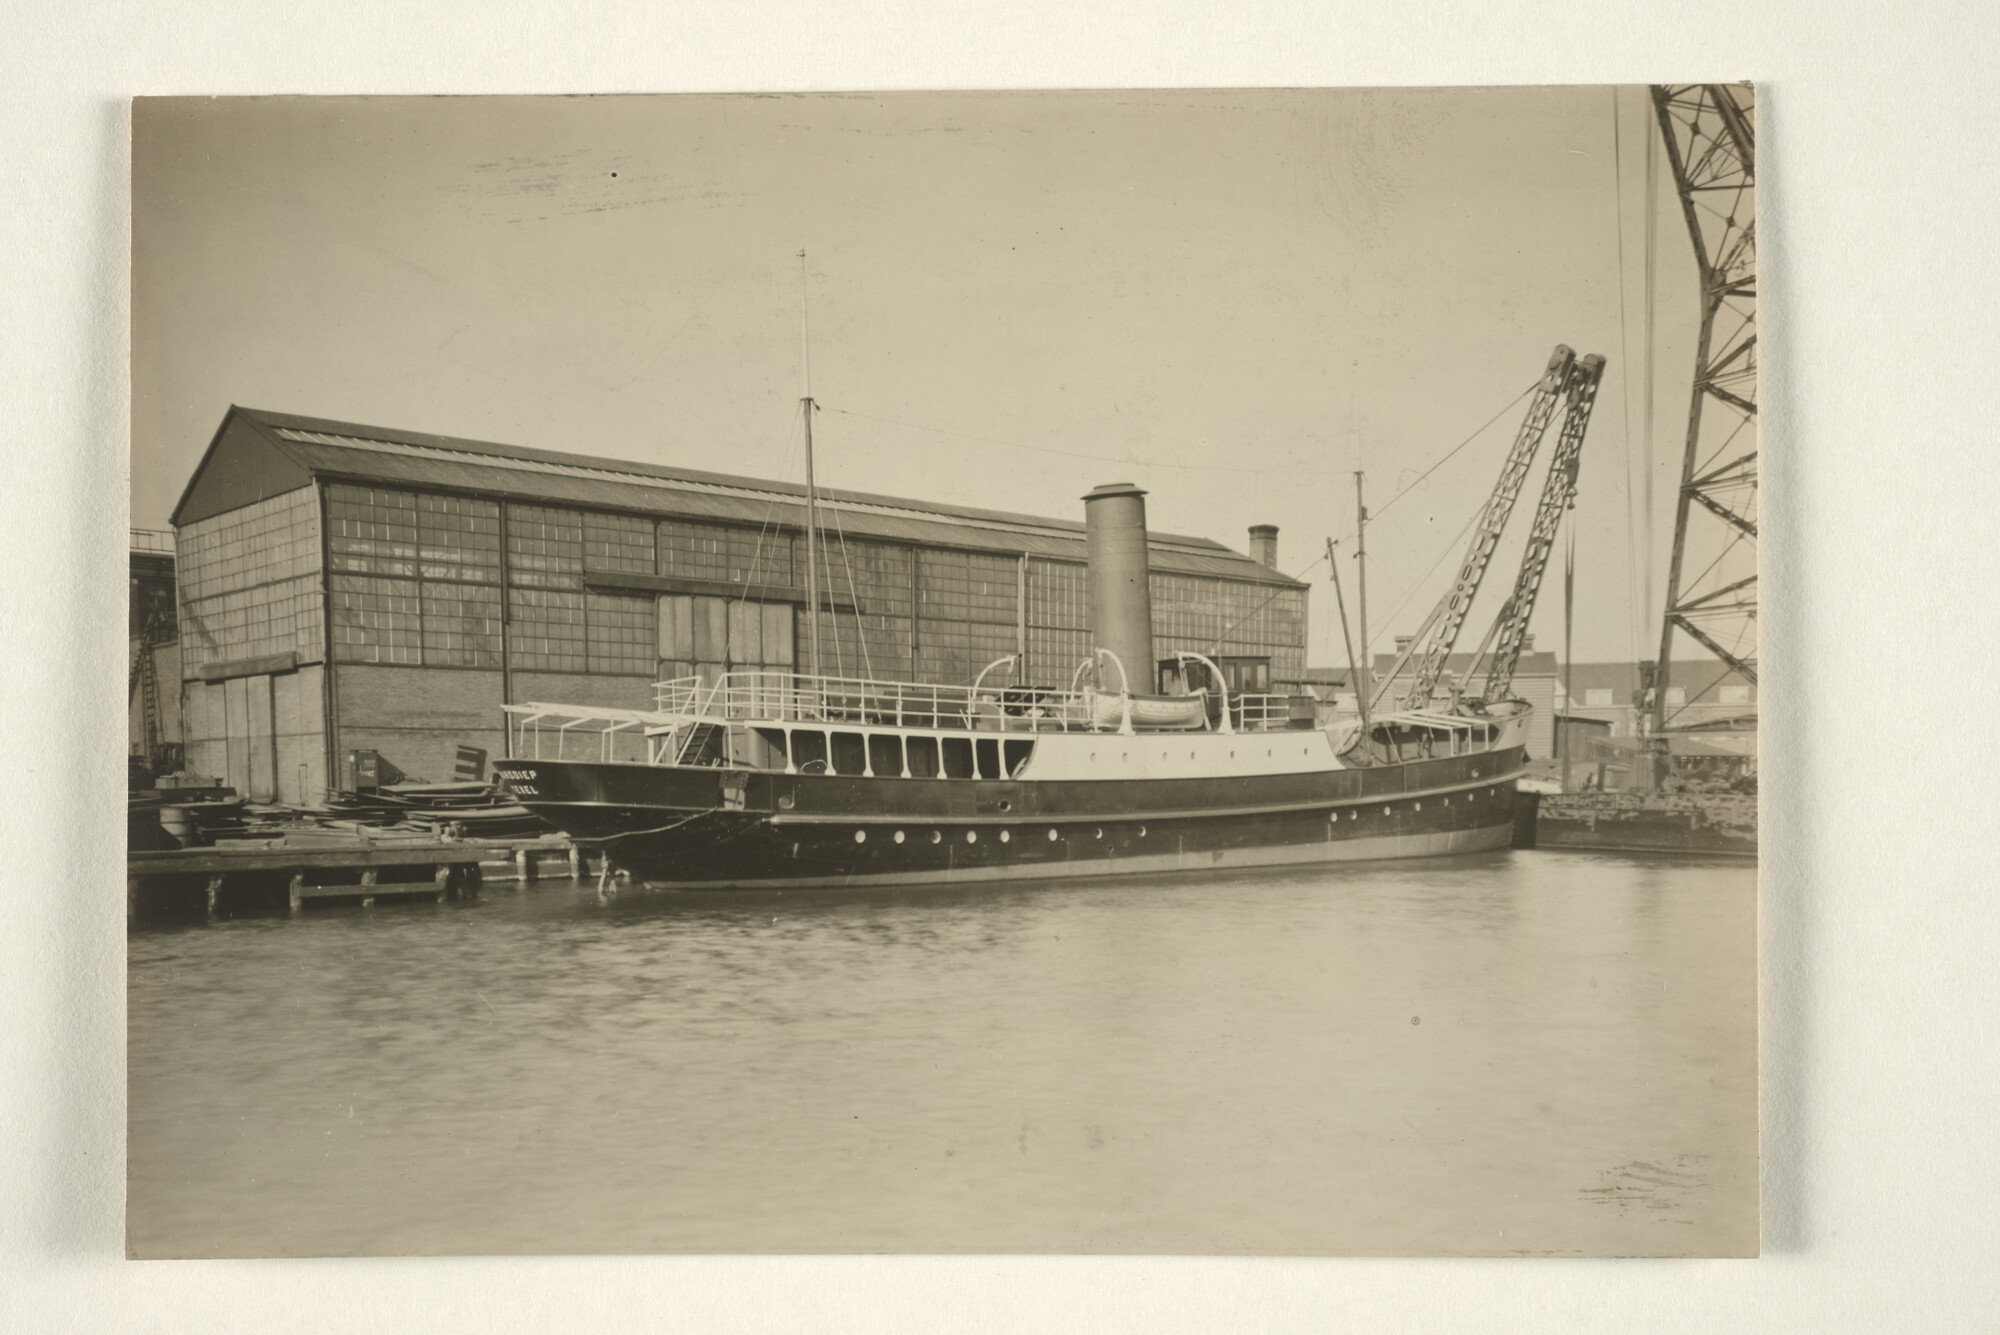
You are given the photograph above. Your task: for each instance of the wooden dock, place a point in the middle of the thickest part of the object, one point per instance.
(239, 875)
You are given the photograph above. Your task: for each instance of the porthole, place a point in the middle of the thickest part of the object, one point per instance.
(899, 836)
(1006, 837)
(1052, 836)
(1354, 814)
(1416, 806)
(937, 837)
(1005, 805)
(1232, 755)
(1385, 811)
(1100, 832)
(1142, 832)
(972, 836)
(1190, 755)
(861, 836)
(1447, 801)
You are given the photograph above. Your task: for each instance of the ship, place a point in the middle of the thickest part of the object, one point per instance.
(784, 780)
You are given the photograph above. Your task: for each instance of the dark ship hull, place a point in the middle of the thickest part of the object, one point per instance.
(706, 827)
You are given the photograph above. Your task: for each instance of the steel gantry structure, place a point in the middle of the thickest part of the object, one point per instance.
(1709, 131)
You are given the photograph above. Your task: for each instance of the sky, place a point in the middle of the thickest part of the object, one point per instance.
(1234, 299)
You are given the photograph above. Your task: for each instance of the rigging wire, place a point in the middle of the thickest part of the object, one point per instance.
(1377, 514)
(1418, 584)
(854, 596)
(770, 508)
(1632, 576)
(1650, 377)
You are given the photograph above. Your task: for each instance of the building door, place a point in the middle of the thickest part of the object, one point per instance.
(263, 774)
(250, 745)
(707, 636)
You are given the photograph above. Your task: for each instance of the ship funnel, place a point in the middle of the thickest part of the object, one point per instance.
(1121, 602)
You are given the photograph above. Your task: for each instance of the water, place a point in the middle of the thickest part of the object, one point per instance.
(1513, 1052)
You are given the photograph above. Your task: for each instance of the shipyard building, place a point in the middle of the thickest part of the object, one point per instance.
(358, 603)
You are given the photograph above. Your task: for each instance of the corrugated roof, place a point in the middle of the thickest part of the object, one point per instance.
(388, 455)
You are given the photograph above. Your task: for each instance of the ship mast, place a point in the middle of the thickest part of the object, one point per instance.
(812, 489)
(1364, 687)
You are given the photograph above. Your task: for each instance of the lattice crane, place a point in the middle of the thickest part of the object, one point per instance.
(1510, 628)
(1434, 640)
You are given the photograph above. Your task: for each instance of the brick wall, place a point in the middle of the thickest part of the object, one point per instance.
(418, 717)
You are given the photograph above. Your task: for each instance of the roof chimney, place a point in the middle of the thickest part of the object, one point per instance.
(1121, 598)
(1264, 544)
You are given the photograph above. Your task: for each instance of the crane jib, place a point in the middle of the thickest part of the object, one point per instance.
(1434, 643)
(1558, 494)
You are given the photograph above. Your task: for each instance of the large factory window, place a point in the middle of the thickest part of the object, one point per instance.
(414, 577)
(249, 581)
(371, 531)
(965, 611)
(547, 632)
(461, 625)
(545, 602)
(621, 634)
(458, 563)
(618, 542)
(875, 642)
(544, 547)
(694, 551)
(372, 566)
(1236, 618)
(376, 620)
(1058, 621)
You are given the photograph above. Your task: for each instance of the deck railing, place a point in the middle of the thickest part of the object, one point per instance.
(1262, 713)
(752, 694)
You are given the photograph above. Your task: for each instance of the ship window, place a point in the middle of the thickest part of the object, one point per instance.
(885, 755)
(850, 753)
(809, 751)
(989, 758)
(923, 757)
(1017, 756)
(1247, 674)
(957, 757)
(774, 740)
